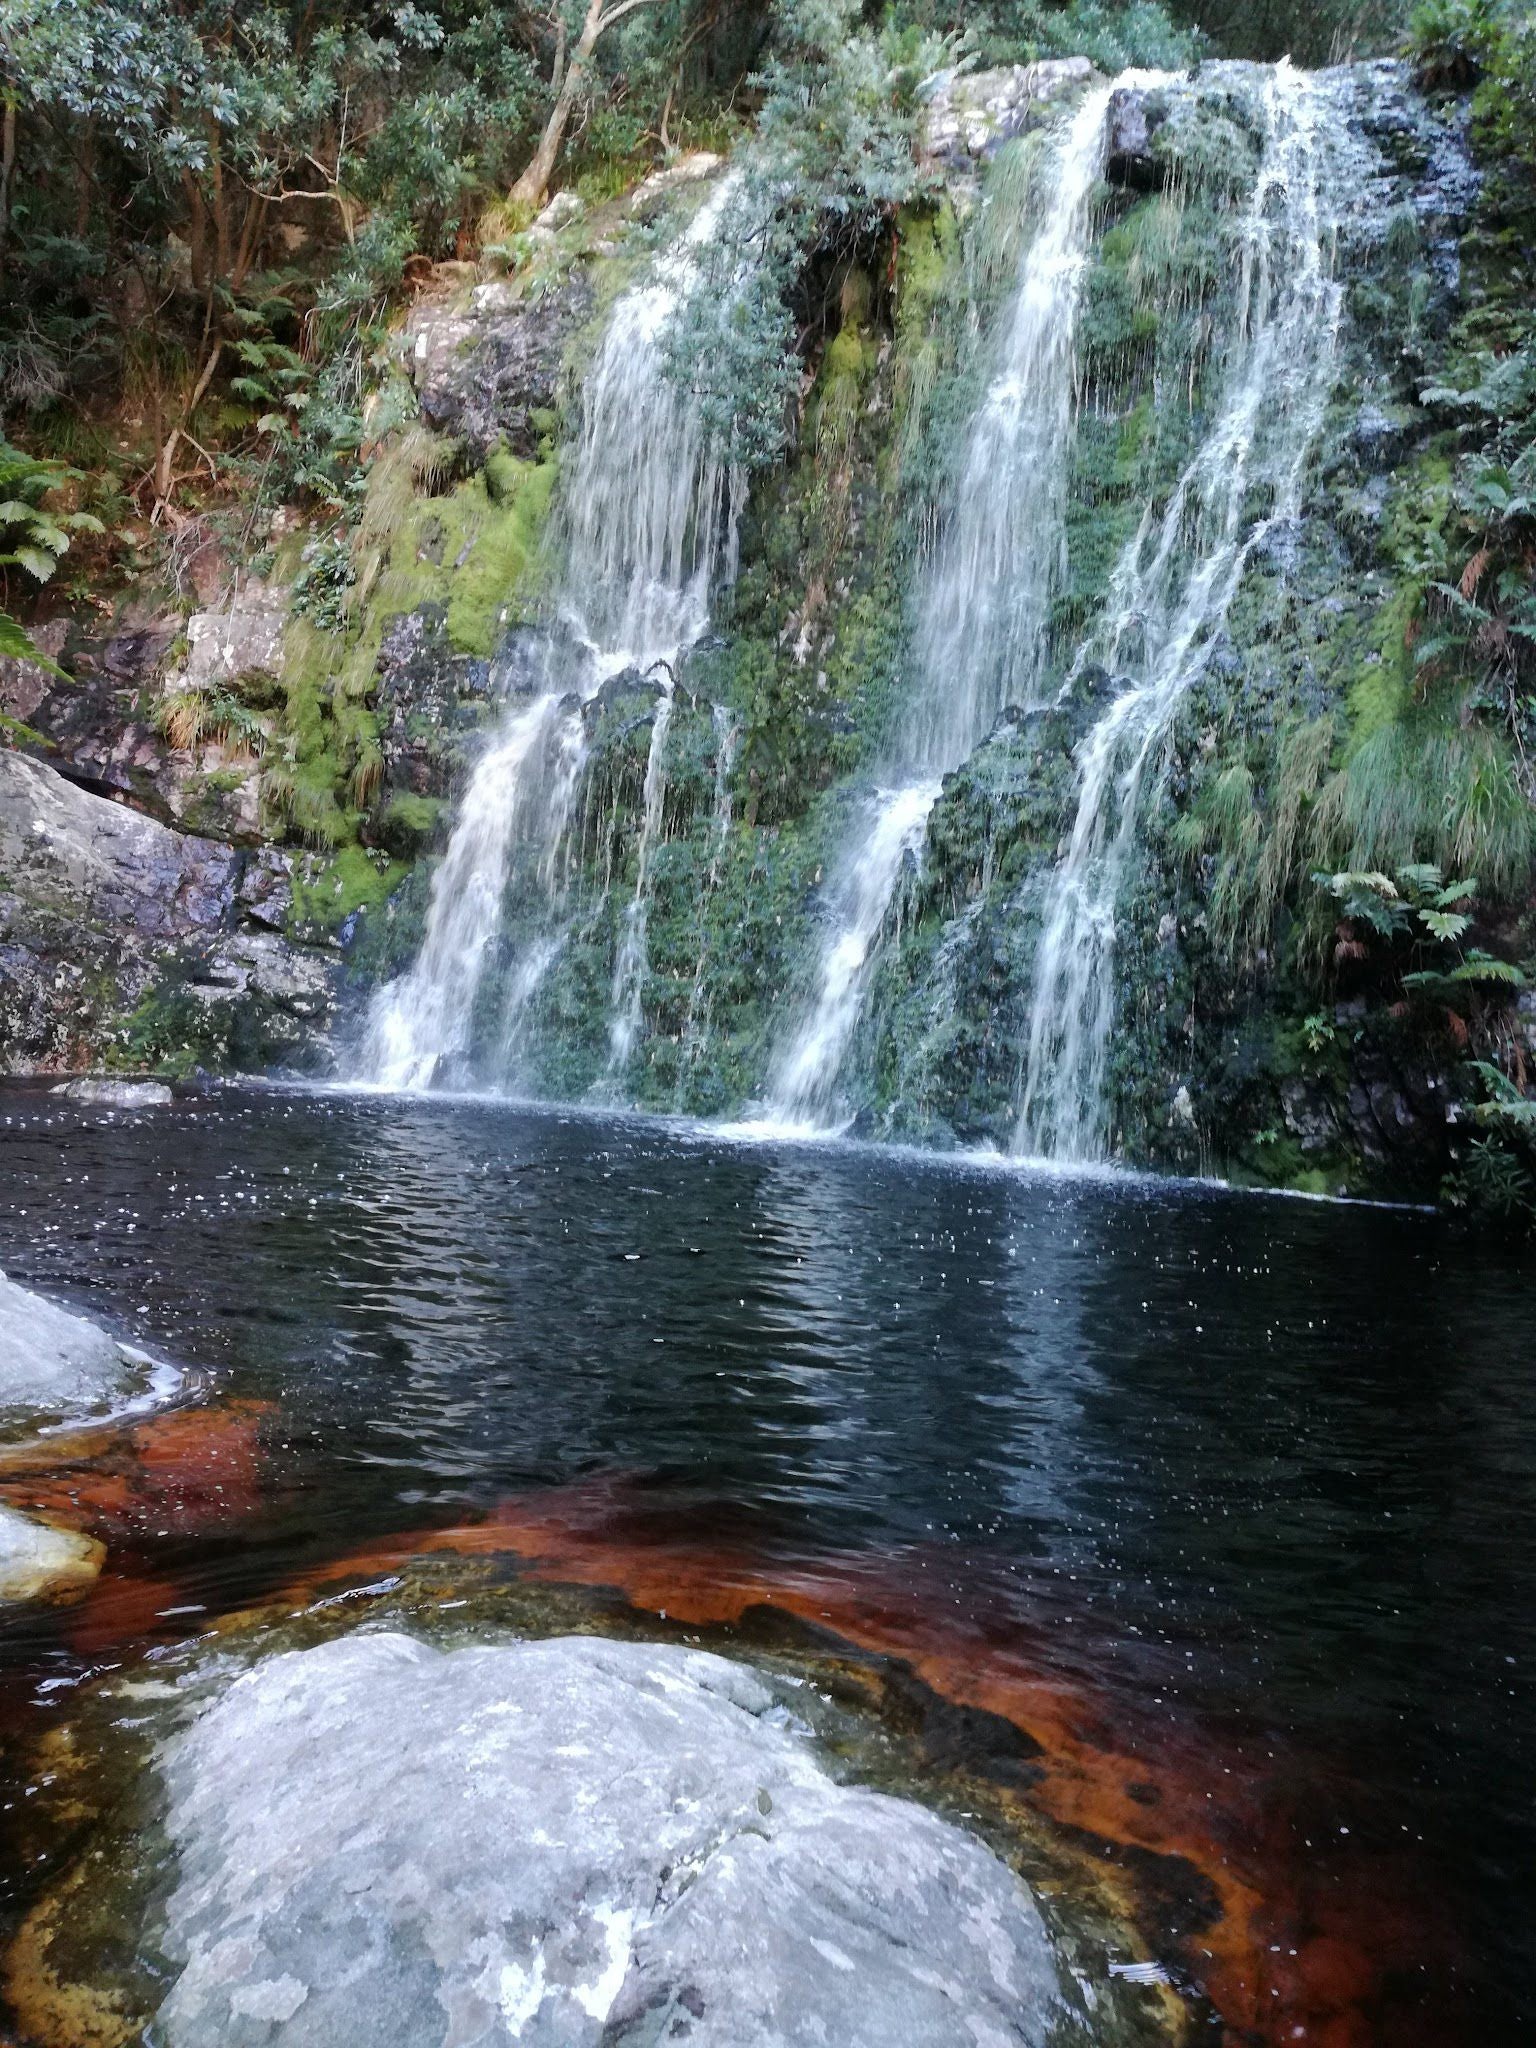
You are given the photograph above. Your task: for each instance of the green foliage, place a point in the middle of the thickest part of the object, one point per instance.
(1417, 902)
(1113, 34)
(830, 159)
(1425, 789)
(33, 537)
(191, 718)
(1495, 1176)
(322, 589)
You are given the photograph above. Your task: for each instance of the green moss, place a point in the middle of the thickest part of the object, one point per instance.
(355, 878)
(1381, 689)
(409, 822)
(491, 584)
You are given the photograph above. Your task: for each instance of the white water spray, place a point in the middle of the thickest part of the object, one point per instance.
(727, 743)
(805, 1084)
(986, 605)
(648, 526)
(1169, 600)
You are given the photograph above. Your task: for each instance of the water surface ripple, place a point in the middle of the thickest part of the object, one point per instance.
(1268, 1468)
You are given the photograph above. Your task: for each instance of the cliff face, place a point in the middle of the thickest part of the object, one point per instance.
(234, 801)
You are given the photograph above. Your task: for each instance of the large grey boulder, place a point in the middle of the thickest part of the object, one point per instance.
(53, 1363)
(83, 856)
(565, 1843)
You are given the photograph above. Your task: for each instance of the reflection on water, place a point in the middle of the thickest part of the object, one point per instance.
(1257, 1469)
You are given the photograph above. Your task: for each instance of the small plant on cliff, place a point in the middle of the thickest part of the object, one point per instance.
(1495, 1175)
(32, 538)
(831, 160)
(1408, 928)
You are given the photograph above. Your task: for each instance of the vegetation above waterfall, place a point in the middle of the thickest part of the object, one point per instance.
(294, 324)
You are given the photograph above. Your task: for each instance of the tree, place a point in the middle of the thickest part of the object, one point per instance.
(567, 83)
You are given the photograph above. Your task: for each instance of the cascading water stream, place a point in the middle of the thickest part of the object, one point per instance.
(630, 962)
(1169, 600)
(727, 744)
(648, 523)
(985, 610)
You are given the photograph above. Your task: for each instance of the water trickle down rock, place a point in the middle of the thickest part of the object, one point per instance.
(646, 523)
(1171, 592)
(983, 610)
(563, 1843)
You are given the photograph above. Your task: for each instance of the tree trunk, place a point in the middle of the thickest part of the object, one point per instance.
(197, 231)
(532, 186)
(7, 165)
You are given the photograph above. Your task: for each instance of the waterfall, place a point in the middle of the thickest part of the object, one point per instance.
(1169, 599)
(647, 520)
(984, 615)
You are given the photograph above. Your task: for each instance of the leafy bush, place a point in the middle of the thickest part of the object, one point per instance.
(32, 538)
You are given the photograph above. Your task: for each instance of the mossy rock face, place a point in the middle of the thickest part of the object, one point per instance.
(1316, 727)
(431, 702)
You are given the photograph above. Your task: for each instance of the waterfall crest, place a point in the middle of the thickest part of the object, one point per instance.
(985, 608)
(647, 526)
(1169, 599)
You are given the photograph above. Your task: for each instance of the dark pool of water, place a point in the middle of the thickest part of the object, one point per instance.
(1260, 1468)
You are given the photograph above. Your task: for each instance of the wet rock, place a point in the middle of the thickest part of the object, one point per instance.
(261, 964)
(265, 891)
(972, 114)
(565, 1842)
(102, 908)
(108, 1094)
(484, 365)
(1129, 157)
(432, 703)
(53, 1363)
(1309, 1115)
(1380, 436)
(628, 697)
(39, 1562)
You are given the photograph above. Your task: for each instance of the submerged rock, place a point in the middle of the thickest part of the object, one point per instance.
(116, 1094)
(54, 1363)
(566, 1842)
(38, 1561)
